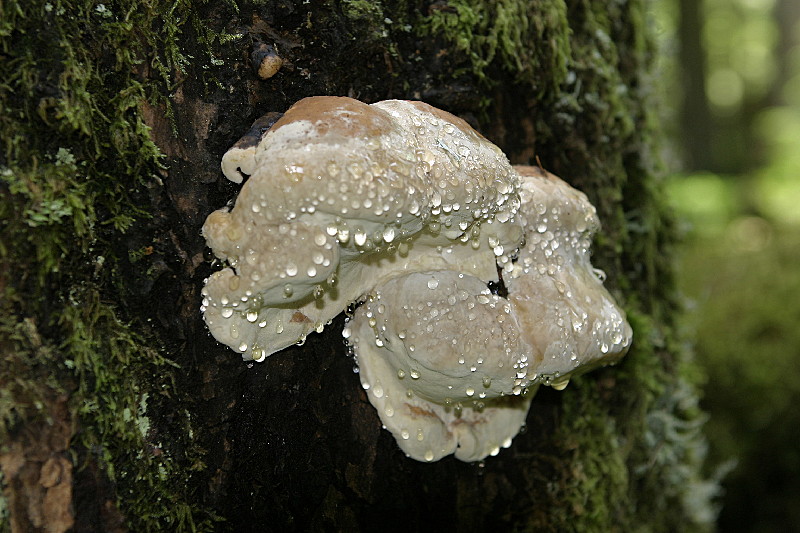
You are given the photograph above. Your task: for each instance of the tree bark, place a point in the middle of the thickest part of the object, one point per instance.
(115, 118)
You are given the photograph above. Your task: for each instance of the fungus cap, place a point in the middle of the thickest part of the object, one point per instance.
(469, 352)
(438, 353)
(341, 195)
(569, 319)
(408, 209)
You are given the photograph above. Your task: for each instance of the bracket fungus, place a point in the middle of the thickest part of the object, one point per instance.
(408, 210)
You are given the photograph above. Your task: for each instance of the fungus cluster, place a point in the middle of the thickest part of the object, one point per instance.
(405, 208)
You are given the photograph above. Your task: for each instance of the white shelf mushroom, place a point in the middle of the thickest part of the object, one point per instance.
(342, 195)
(408, 208)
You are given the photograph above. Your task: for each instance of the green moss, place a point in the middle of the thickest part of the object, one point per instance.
(533, 49)
(74, 152)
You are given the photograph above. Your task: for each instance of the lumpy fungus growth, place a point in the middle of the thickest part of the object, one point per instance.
(408, 210)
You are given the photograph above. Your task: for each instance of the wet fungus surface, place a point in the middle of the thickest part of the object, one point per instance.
(406, 208)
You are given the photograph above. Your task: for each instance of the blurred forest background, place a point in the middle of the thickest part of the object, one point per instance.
(732, 95)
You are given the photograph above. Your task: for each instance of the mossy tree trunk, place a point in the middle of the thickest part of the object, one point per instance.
(119, 411)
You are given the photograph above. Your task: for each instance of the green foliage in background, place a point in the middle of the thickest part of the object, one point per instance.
(744, 285)
(741, 274)
(741, 262)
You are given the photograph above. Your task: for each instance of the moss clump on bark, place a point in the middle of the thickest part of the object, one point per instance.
(531, 44)
(75, 159)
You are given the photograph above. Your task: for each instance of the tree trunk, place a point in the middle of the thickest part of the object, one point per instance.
(118, 410)
(697, 127)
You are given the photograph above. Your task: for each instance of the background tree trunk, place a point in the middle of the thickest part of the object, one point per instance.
(119, 411)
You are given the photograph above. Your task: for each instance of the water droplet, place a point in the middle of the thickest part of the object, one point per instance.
(560, 385)
(227, 312)
(414, 373)
(243, 347)
(360, 237)
(599, 274)
(433, 283)
(252, 315)
(377, 390)
(288, 290)
(388, 234)
(470, 391)
(291, 269)
(429, 455)
(401, 373)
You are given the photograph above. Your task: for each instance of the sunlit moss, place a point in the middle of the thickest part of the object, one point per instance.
(535, 50)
